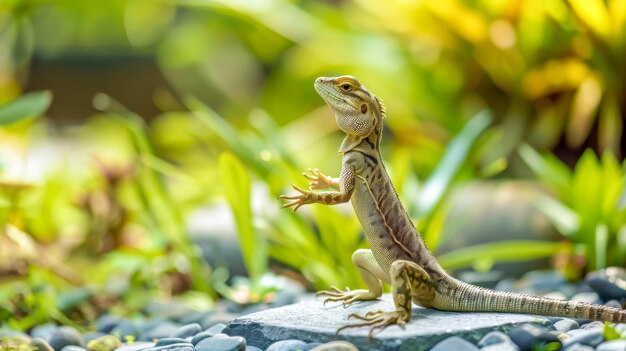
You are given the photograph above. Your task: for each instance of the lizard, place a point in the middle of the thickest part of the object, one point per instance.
(398, 255)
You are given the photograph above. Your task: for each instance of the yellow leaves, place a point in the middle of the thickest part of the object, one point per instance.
(467, 23)
(594, 14)
(582, 113)
(554, 76)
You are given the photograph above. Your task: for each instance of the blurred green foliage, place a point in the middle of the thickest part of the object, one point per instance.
(99, 220)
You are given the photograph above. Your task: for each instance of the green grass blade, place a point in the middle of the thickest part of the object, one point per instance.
(456, 153)
(505, 251)
(236, 185)
(25, 106)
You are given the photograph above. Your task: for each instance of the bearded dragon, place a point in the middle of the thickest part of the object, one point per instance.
(398, 254)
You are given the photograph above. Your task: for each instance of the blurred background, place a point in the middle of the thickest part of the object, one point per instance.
(143, 144)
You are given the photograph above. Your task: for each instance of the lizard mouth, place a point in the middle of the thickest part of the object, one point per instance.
(328, 94)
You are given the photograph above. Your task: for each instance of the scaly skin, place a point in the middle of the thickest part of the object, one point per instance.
(398, 254)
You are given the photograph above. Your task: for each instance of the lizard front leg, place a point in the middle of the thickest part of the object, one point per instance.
(371, 273)
(346, 187)
(409, 282)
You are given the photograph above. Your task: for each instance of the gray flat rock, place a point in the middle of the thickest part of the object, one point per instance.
(311, 321)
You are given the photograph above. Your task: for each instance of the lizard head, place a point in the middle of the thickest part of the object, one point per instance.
(357, 111)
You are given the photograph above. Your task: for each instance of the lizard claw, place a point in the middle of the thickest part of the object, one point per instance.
(297, 201)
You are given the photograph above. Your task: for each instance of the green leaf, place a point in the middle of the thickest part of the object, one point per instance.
(547, 168)
(504, 251)
(564, 219)
(609, 332)
(456, 153)
(236, 185)
(25, 106)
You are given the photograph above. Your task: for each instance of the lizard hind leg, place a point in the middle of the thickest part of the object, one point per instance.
(409, 282)
(371, 273)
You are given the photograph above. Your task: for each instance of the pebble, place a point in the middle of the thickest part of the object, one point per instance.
(588, 297)
(592, 325)
(170, 341)
(216, 329)
(310, 346)
(565, 325)
(454, 343)
(332, 346)
(172, 347)
(591, 337)
(135, 346)
(73, 348)
(125, 329)
(613, 303)
(159, 331)
(64, 336)
(254, 348)
(43, 331)
(578, 347)
(613, 345)
(286, 345)
(528, 335)
(104, 343)
(41, 344)
(107, 322)
(186, 331)
(201, 336)
(543, 281)
(235, 343)
(604, 282)
(494, 337)
(504, 346)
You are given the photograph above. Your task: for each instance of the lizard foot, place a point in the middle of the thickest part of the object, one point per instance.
(346, 296)
(377, 320)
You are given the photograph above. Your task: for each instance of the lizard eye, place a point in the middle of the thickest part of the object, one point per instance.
(363, 108)
(346, 87)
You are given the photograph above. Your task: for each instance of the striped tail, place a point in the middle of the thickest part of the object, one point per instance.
(467, 297)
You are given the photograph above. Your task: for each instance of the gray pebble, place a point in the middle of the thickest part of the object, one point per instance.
(170, 341)
(286, 345)
(43, 331)
(335, 346)
(124, 329)
(73, 348)
(107, 322)
(454, 343)
(136, 346)
(588, 297)
(613, 345)
(592, 325)
(172, 347)
(200, 336)
(64, 336)
(159, 331)
(527, 336)
(10, 332)
(504, 346)
(235, 343)
(604, 282)
(613, 303)
(310, 346)
(186, 331)
(578, 347)
(494, 337)
(40, 344)
(565, 325)
(216, 329)
(591, 337)
(253, 348)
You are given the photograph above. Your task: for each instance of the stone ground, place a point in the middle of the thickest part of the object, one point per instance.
(310, 321)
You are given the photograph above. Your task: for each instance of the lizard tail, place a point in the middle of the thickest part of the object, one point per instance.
(468, 297)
